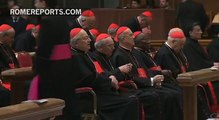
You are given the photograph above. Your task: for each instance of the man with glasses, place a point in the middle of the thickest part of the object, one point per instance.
(87, 73)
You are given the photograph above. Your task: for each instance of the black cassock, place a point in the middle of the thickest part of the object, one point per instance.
(199, 59)
(177, 63)
(107, 65)
(196, 55)
(154, 69)
(169, 105)
(133, 24)
(150, 99)
(111, 105)
(166, 58)
(25, 42)
(7, 61)
(213, 49)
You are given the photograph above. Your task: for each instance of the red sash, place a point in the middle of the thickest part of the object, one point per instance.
(214, 107)
(156, 68)
(11, 65)
(205, 93)
(183, 69)
(8, 85)
(142, 73)
(98, 68)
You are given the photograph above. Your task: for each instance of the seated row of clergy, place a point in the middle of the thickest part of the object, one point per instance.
(105, 84)
(158, 101)
(141, 62)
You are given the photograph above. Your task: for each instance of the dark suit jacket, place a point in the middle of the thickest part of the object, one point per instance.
(189, 12)
(213, 49)
(132, 24)
(19, 26)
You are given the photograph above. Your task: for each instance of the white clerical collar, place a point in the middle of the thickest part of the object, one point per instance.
(137, 48)
(168, 45)
(79, 21)
(126, 48)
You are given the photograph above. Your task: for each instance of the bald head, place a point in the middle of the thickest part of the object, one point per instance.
(176, 39)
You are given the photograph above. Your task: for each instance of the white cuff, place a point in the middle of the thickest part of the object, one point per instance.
(152, 81)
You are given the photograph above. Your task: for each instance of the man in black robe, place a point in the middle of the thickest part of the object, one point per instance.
(170, 56)
(195, 53)
(86, 21)
(139, 22)
(104, 49)
(199, 59)
(53, 65)
(7, 60)
(104, 46)
(111, 105)
(124, 54)
(142, 45)
(26, 41)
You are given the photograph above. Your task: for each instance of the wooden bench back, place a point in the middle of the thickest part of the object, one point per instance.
(33, 110)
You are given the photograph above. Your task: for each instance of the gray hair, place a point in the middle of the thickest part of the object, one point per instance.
(74, 40)
(121, 36)
(111, 31)
(99, 44)
(139, 38)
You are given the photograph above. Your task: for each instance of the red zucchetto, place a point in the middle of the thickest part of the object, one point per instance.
(38, 27)
(88, 13)
(177, 34)
(101, 37)
(5, 27)
(147, 14)
(29, 27)
(120, 31)
(137, 33)
(113, 26)
(75, 31)
(94, 32)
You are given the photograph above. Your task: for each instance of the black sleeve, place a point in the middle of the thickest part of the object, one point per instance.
(141, 82)
(88, 77)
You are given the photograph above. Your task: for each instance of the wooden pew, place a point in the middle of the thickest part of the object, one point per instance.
(189, 82)
(17, 78)
(33, 110)
(156, 44)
